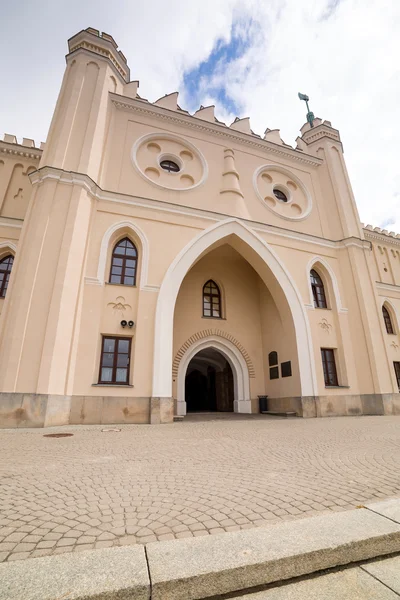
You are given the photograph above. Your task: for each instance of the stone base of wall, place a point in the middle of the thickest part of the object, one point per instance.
(338, 406)
(45, 410)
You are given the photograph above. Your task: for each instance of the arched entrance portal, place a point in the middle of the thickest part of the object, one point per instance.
(217, 347)
(277, 279)
(209, 384)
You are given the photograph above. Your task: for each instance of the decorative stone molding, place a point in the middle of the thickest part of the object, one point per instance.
(205, 334)
(149, 150)
(74, 178)
(325, 325)
(230, 176)
(217, 129)
(119, 304)
(395, 345)
(27, 149)
(268, 178)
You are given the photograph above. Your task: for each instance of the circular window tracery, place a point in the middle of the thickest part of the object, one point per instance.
(168, 161)
(282, 192)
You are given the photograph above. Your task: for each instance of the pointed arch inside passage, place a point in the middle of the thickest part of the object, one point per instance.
(124, 263)
(211, 300)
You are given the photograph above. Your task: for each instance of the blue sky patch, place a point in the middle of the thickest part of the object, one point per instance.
(208, 77)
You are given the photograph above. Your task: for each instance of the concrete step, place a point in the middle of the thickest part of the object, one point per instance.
(274, 413)
(376, 580)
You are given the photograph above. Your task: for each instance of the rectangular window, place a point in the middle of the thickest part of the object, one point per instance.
(115, 358)
(329, 365)
(286, 369)
(396, 365)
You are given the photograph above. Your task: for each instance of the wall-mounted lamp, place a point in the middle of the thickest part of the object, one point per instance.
(125, 323)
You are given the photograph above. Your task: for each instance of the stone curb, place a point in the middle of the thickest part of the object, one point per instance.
(199, 568)
(110, 573)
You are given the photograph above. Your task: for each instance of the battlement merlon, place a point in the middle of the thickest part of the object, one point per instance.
(103, 44)
(27, 148)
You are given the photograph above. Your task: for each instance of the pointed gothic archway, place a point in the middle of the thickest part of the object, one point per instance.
(271, 270)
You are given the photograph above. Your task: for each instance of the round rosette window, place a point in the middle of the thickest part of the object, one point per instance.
(169, 161)
(282, 192)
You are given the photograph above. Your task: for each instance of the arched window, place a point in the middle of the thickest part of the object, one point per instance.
(211, 300)
(5, 270)
(387, 319)
(318, 290)
(124, 263)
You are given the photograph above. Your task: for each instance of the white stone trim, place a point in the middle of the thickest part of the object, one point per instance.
(71, 178)
(10, 245)
(388, 287)
(173, 138)
(9, 222)
(163, 338)
(242, 402)
(104, 249)
(335, 286)
(299, 183)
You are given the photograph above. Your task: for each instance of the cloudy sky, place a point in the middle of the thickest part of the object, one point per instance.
(248, 57)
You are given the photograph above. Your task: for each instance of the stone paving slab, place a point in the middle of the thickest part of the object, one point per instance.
(351, 584)
(199, 568)
(147, 483)
(388, 508)
(117, 573)
(387, 572)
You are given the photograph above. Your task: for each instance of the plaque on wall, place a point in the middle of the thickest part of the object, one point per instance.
(286, 369)
(274, 373)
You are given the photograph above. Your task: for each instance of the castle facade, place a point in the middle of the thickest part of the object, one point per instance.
(154, 262)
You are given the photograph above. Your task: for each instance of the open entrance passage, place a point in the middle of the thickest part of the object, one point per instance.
(209, 383)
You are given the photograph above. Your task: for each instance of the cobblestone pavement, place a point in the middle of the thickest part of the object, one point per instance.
(200, 477)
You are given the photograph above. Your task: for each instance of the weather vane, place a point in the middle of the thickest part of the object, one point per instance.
(310, 115)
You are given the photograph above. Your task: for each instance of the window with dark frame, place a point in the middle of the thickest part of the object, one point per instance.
(211, 300)
(318, 290)
(5, 271)
(388, 320)
(286, 369)
(124, 263)
(272, 358)
(396, 366)
(170, 166)
(329, 366)
(280, 195)
(115, 359)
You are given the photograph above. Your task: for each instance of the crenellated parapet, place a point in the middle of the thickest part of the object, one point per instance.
(17, 160)
(26, 148)
(103, 44)
(370, 230)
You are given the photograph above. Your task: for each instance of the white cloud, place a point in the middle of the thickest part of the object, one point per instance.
(343, 54)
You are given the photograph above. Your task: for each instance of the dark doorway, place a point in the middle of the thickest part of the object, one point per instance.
(209, 383)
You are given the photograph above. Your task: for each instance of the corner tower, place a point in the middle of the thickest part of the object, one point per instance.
(78, 129)
(43, 304)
